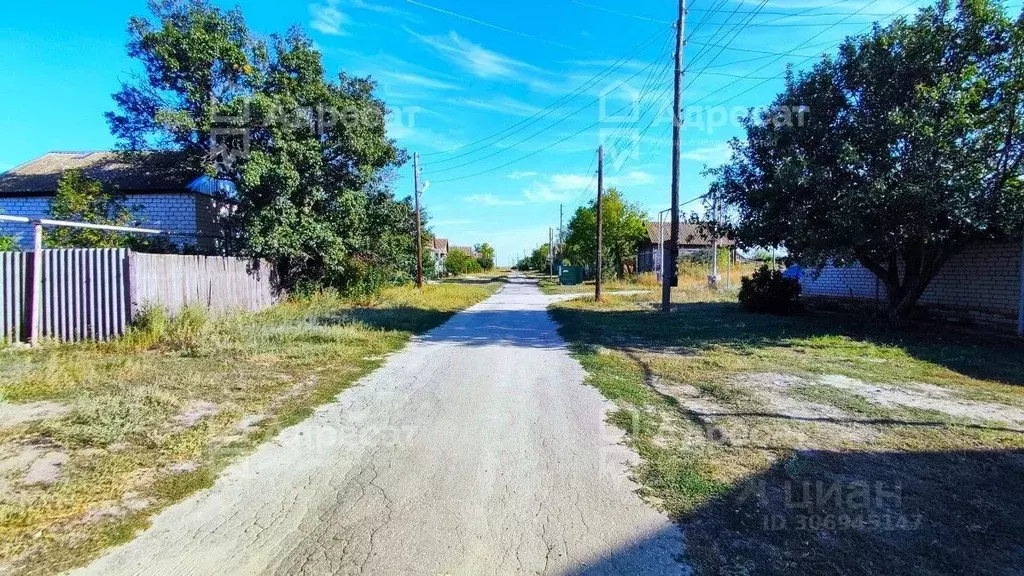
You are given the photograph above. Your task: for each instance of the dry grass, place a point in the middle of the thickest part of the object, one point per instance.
(155, 416)
(736, 415)
(691, 277)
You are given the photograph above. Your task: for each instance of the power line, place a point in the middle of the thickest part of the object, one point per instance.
(551, 107)
(535, 134)
(495, 26)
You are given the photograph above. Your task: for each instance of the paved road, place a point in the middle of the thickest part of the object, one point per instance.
(475, 450)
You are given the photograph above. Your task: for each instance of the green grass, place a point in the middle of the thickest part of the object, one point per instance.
(727, 476)
(122, 432)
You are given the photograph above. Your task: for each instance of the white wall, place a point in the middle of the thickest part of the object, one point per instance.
(982, 283)
(172, 212)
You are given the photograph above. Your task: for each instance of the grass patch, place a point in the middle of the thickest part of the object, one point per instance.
(729, 451)
(154, 416)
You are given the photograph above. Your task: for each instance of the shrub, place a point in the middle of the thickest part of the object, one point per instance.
(768, 291)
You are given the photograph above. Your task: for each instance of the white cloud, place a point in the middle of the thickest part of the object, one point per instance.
(501, 104)
(492, 200)
(411, 79)
(327, 19)
(521, 175)
(712, 155)
(540, 193)
(484, 63)
(379, 8)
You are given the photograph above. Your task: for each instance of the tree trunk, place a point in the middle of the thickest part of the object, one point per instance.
(920, 266)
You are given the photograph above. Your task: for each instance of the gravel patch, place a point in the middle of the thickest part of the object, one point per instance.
(12, 415)
(927, 397)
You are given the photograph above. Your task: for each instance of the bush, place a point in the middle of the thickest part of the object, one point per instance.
(768, 291)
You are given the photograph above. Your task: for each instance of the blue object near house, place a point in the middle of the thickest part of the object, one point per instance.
(795, 272)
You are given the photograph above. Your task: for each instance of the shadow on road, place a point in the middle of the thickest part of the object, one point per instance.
(823, 512)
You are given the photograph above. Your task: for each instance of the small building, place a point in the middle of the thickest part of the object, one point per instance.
(439, 252)
(691, 239)
(155, 186)
(468, 250)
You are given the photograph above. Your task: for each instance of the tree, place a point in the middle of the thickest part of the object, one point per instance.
(897, 153)
(7, 244)
(623, 229)
(459, 262)
(486, 253)
(83, 199)
(310, 158)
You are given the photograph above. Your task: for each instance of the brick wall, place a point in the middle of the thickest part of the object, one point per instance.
(184, 212)
(981, 283)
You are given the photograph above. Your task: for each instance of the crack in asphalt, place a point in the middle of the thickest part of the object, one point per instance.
(475, 450)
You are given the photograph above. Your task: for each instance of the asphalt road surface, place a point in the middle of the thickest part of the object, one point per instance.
(475, 450)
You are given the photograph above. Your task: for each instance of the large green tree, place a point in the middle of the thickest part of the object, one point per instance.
(623, 229)
(896, 153)
(487, 254)
(310, 158)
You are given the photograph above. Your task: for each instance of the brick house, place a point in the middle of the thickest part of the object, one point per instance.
(691, 239)
(155, 187)
(983, 283)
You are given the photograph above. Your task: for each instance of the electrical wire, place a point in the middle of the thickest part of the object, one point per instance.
(546, 111)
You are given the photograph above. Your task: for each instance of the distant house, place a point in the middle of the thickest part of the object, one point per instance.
(691, 239)
(439, 252)
(468, 250)
(155, 186)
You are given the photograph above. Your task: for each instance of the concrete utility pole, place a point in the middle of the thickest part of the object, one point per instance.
(600, 219)
(713, 278)
(37, 283)
(670, 276)
(419, 233)
(561, 230)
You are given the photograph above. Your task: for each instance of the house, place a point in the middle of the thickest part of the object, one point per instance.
(468, 250)
(439, 252)
(691, 239)
(984, 284)
(156, 188)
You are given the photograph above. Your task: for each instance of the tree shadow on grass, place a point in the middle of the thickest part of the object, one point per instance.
(474, 281)
(704, 325)
(400, 318)
(825, 512)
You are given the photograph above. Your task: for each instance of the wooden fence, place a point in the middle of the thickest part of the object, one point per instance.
(93, 294)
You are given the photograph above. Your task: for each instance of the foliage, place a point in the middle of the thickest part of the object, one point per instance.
(897, 153)
(83, 199)
(538, 259)
(486, 258)
(458, 262)
(623, 229)
(768, 291)
(8, 244)
(309, 156)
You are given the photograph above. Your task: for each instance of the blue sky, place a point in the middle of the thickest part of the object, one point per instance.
(457, 72)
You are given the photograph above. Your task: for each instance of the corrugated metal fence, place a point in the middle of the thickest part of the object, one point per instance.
(93, 294)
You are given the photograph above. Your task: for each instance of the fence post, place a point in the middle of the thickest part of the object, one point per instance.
(36, 296)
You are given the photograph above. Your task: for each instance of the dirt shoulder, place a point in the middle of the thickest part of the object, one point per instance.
(814, 444)
(102, 436)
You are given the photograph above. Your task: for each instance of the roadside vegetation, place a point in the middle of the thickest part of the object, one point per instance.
(96, 438)
(816, 442)
(692, 276)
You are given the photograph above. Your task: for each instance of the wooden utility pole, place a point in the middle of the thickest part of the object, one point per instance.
(551, 252)
(669, 277)
(419, 232)
(600, 219)
(561, 230)
(713, 278)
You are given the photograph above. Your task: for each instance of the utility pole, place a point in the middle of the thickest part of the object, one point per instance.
(600, 220)
(670, 276)
(561, 230)
(713, 278)
(551, 252)
(419, 233)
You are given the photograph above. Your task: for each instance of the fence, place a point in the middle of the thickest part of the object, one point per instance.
(93, 294)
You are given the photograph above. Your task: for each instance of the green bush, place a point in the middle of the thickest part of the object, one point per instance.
(769, 292)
